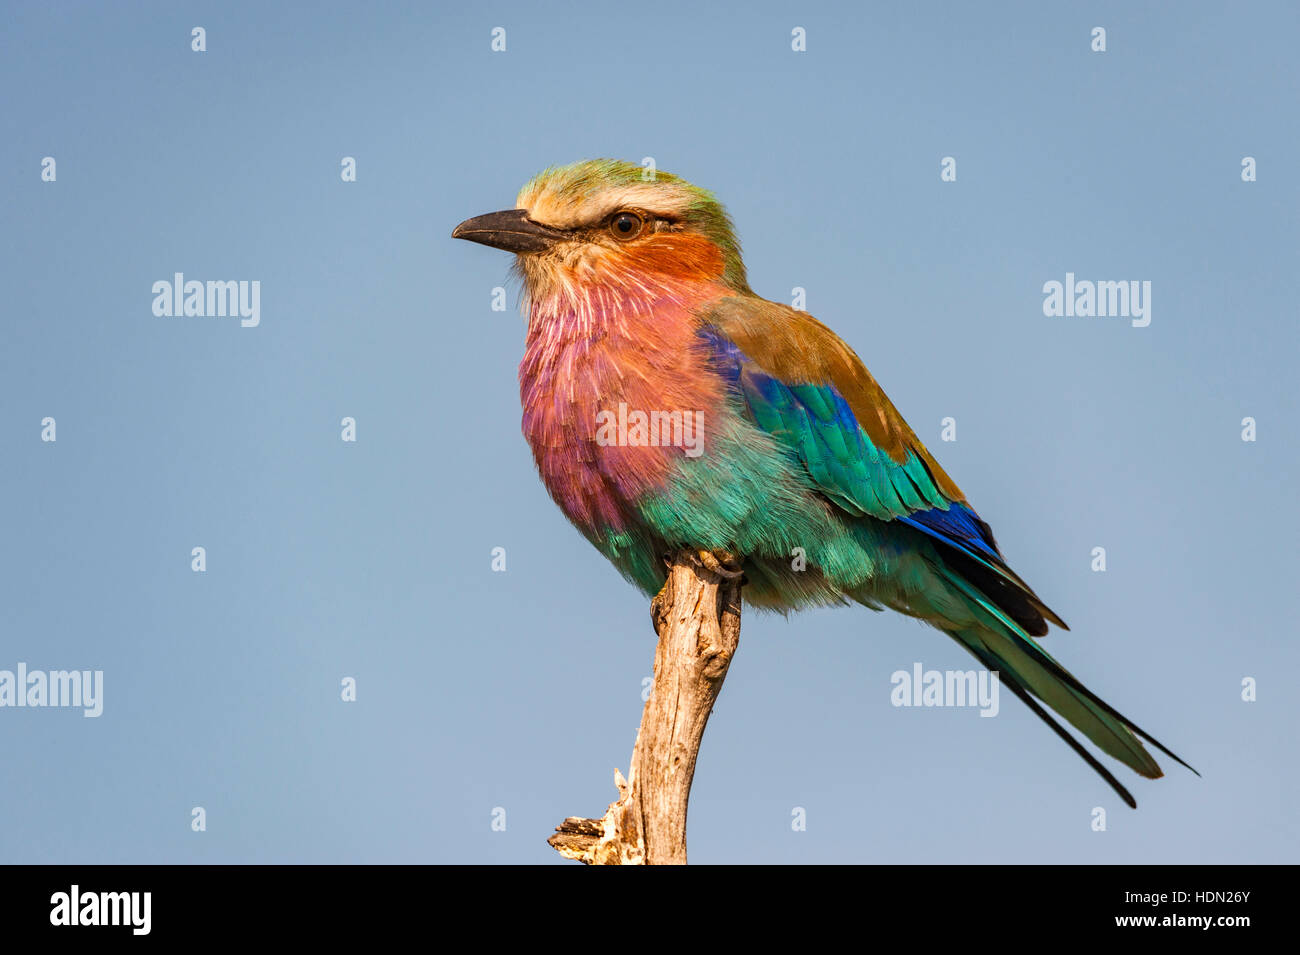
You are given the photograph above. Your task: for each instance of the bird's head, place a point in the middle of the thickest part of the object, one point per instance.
(610, 224)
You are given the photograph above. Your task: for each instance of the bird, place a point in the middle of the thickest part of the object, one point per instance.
(771, 436)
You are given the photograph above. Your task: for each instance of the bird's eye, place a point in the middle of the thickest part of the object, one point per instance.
(626, 225)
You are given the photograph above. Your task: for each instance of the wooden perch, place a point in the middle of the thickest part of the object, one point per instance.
(697, 617)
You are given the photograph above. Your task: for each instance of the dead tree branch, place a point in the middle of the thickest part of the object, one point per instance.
(697, 617)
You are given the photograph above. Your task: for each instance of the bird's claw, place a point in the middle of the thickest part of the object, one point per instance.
(717, 566)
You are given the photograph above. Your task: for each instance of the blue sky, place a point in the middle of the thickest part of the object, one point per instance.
(521, 690)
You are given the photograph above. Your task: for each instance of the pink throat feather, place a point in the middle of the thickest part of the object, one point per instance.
(592, 347)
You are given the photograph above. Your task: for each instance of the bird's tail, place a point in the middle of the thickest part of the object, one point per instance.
(1031, 674)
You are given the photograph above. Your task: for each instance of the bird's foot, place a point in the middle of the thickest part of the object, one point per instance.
(725, 565)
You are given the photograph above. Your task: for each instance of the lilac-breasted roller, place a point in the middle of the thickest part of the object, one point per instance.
(668, 406)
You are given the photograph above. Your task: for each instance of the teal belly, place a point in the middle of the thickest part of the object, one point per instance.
(747, 495)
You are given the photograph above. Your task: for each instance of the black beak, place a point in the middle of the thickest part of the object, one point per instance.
(511, 230)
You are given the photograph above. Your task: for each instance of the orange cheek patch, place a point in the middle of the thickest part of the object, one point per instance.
(676, 255)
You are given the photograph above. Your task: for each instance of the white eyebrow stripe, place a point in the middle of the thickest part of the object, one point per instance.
(567, 213)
